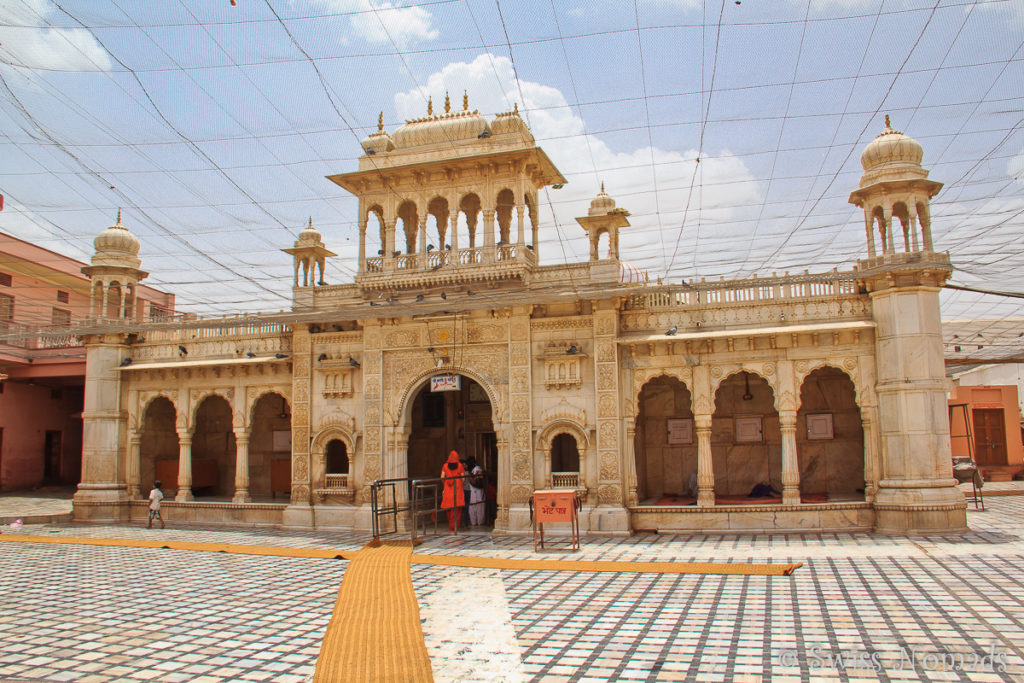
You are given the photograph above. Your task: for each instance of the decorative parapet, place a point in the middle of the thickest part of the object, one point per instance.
(447, 268)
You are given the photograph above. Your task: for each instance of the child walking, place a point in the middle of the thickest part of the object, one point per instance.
(155, 496)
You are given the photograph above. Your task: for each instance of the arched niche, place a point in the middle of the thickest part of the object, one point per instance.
(746, 442)
(830, 437)
(552, 445)
(504, 208)
(408, 214)
(320, 449)
(213, 448)
(158, 445)
(270, 416)
(665, 443)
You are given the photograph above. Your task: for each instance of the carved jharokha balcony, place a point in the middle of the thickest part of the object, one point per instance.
(409, 271)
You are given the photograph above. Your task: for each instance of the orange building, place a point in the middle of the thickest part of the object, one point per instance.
(42, 377)
(984, 422)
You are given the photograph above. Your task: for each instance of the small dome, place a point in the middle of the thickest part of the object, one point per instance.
(631, 274)
(602, 204)
(116, 246)
(511, 123)
(444, 128)
(891, 148)
(309, 235)
(377, 143)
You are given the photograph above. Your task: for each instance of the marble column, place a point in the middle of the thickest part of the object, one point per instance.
(134, 458)
(241, 467)
(184, 468)
(489, 254)
(790, 461)
(632, 495)
(705, 464)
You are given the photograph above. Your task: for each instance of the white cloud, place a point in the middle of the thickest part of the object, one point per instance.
(1015, 168)
(586, 160)
(383, 22)
(25, 40)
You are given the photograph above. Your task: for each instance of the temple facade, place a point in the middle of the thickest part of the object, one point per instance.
(807, 401)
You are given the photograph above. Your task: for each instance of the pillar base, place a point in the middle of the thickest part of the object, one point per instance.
(241, 497)
(100, 503)
(184, 495)
(912, 509)
(297, 517)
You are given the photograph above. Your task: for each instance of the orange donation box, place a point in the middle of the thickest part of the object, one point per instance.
(556, 505)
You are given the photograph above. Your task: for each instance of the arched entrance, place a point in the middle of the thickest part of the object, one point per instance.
(830, 438)
(442, 421)
(158, 448)
(213, 449)
(666, 444)
(746, 442)
(270, 415)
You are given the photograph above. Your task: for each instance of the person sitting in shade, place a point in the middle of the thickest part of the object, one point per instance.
(453, 497)
(477, 491)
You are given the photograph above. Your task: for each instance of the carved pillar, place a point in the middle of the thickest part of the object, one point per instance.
(489, 234)
(241, 467)
(134, 458)
(521, 219)
(184, 493)
(390, 226)
(453, 228)
(705, 464)
(889, 239)
(869, 228)
(790, 461)
(871, 473)
(362, 240)
(302, 349)
(422, 230)
(517, 456)
(610, 453)
(632, 496)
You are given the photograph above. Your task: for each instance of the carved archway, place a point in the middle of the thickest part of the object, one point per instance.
(545, 441)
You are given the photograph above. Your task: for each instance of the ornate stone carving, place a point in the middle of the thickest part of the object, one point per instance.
(800, 366)
(300, 468)
(606, 377)
(606, 352)
(716, 371)
(609, 466)
(519, 331)
(608, 494)
(372, 443)
(372, 339)
(520, 380)
(372, 387)
(768, 369)
(521, 468)
(520, 354)
(520, 408)
(300, 413)
(562, 324)
(564, 411)
(849, 364)
(787, 401)
(521, 435)
(485, 333)
(520, 495)
(606, 405)
(402, 338)
(605, 326)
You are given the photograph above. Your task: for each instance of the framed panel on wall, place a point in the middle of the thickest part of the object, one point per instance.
(819, 427)
(748, 429)
(680, 431)
(283, 441)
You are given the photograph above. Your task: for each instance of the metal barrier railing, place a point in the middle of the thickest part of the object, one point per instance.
(421, 505)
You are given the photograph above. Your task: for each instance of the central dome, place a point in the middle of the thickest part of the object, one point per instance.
(116, 246)
(602, 204)
(444, 128)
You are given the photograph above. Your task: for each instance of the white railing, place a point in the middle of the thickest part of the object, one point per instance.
(375, 264)
(565, 480)
(336, 481)
(465, 257)
(746, 291)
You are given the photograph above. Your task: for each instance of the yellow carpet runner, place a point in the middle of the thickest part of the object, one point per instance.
(727, 568)
(375, 633)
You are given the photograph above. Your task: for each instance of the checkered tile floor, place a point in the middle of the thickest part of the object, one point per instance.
(891, 608)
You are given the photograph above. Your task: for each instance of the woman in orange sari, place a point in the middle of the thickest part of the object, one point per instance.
(453, 497)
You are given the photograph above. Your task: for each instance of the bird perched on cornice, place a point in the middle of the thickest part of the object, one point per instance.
(672, 330)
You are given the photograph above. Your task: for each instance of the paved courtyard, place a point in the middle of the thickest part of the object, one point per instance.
(863, 607)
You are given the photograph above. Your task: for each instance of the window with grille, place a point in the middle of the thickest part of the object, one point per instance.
(61, 317)
(6, 308)
(63, 296)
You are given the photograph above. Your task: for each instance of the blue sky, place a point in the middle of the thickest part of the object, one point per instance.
(213, 126)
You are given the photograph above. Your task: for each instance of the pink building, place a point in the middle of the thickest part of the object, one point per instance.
(985, 419)
(42, 369)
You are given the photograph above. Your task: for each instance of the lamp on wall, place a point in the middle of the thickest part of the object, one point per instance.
(747, 396)
(284, 409)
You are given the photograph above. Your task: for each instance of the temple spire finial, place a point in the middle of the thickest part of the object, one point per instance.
(380, 123)
(602, 186)
(515, 108)
(465, 100)
(887, 124)
(311, 221)
(447, 103)
(118, 216)
(430, 106)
